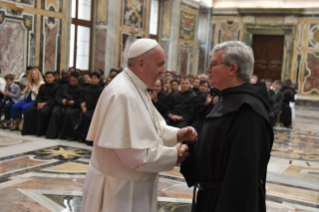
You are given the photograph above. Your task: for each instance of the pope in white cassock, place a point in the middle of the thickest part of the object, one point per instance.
(132, 142)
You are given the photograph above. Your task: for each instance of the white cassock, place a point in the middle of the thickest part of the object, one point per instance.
(130, 148)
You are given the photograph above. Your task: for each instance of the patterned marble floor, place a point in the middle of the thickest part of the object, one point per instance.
(48, 175)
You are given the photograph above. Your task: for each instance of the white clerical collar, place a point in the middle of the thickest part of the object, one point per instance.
(138, 82)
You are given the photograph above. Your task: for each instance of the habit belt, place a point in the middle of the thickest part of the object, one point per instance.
(204, 187)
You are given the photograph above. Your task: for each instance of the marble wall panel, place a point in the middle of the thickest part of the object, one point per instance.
(166, 18)
(133, 14)
(102, 9)
(311, 76)
(298, 66)
(100, 49)
(52, 5)
(201, 60)
(187, 26)
(213, 35)
(229, 31)
(13, 41)
(165, 45)
(185, 57)
(50, 36)
(313, 36)
(301, 35)
(127, 39)
(23, 2)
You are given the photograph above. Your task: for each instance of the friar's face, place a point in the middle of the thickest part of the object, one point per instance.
(49, 78)
(218, 71)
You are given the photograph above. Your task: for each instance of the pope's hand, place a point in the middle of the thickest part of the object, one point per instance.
(186, 134)
(182, 153)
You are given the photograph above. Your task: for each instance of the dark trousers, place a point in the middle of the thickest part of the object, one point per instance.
(7, 108)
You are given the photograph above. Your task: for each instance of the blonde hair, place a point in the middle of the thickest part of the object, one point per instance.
(40, 78)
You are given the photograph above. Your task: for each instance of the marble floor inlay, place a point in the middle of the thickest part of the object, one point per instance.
(42, 175)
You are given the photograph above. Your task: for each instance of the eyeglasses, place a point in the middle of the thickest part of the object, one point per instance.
(211, 65)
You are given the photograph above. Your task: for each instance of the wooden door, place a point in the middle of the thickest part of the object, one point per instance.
(268, 52)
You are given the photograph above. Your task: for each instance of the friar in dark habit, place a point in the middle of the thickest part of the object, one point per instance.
(38, 115)
(228, 163)
(204, 103)
(67, 102)
(88, 101)
(181, 106)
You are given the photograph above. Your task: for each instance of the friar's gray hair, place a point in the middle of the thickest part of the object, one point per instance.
(239, 53)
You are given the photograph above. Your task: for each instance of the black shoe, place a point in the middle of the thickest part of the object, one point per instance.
(89, 143)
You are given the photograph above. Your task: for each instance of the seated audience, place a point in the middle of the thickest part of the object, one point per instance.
(203, 77)
(37, 116)
(88, 100)
(174, 86)
(81, 82)
(57, 76)
(11, 96)
(109, 80)
(113, 72)
(178, 78)
(191, 78)
(101, 72)
(196, 86)
(67, 102)
(23, 82)
(71, 70)
(159, 98)
(181, 111)
(167, 86)
(168, 75)
(86, 80)
(34, 82)
(65, 77)
(2, 87)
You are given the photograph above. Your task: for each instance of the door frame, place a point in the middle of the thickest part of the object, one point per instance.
(289, 38)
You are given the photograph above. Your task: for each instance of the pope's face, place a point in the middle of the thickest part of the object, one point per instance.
(218, 71)
(155, 65)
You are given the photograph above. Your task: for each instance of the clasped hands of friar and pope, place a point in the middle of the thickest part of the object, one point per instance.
(184, 134)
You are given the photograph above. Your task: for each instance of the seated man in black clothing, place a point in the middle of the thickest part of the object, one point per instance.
(86, 80)
(196, 86)
(113, 72)
(67, 102)
(101, 73)
(181, 111)
(57, 76)
(65, 77)
(174, 86)
(37, 116)
(160, 98)
(203, 87)
(88, 100)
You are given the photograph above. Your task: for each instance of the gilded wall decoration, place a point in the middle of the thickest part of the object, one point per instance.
(185, 55)
(187, 26)
(102, 8)
(167, 16)
(270, 20)
(229, 31)
(100, 48)
(311, 77)
(301, 34)
(52, 5)
(17, 42)
(313, 36)
(127, 39)
(50, 44)
(133, 14)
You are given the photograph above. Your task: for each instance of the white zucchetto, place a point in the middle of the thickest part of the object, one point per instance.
(140, 47)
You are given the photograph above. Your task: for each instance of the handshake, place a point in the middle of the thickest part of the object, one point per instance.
(184, 134)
